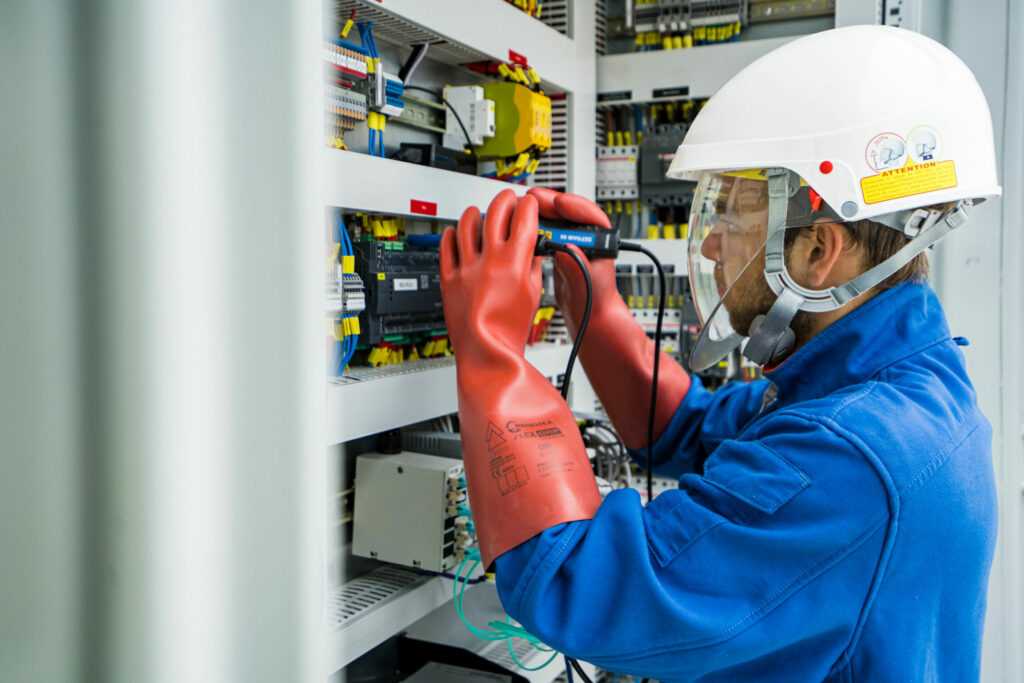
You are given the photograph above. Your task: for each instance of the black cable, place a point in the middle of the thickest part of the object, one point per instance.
(629, 246)
(579, 670)
(411, 64)
(555, 246)
(545, 246)
(458, 118)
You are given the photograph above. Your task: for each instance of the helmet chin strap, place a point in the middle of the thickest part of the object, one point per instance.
(771, 337)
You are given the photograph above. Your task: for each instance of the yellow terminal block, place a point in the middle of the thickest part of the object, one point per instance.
(348, 264)
(652, 231)
(666, 42)
(522, 119)
(670, 231)
(677, 42)
(688, 41)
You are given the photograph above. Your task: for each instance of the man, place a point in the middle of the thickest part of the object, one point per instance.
(835, 521)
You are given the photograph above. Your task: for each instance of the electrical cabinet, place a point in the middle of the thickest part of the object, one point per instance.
(412, 179)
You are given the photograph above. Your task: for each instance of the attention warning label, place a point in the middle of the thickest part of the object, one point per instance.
(909, 180)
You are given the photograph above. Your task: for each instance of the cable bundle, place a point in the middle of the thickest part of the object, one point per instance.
(500, 630)
(346, 328)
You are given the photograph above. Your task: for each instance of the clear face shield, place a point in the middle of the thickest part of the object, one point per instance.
(732, 218)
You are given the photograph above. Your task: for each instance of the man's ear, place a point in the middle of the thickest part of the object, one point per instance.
(815, 255)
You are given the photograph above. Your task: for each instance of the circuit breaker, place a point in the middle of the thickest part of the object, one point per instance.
(411, 509)
(616, 172)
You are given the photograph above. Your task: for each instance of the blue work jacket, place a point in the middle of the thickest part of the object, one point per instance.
(841, 532)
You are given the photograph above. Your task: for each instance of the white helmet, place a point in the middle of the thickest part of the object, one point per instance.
(852, 123)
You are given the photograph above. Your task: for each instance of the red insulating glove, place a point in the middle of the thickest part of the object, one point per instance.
(526, 466)
(616, 353)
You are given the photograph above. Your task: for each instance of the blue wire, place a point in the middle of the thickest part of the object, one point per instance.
(336, 361)
(568, 669)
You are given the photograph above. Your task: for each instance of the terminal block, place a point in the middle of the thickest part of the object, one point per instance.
(384, 93)
(412, 509)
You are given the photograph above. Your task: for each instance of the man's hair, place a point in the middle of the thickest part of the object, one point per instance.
(878, 242)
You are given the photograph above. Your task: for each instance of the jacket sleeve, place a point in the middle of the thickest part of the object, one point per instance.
(703, 420)
(764, 556)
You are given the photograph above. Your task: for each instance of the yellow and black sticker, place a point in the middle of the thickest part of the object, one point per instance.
(908, 180)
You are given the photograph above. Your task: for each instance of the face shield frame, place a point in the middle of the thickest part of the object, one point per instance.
(731, 206)
(792, 203)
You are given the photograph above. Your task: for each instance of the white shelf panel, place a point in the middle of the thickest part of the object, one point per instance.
(702, 69)
(366, 183)
(370, 400)
(370, 609)
(461, 31)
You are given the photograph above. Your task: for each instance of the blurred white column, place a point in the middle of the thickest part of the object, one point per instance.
(40, 453)
(163, 357)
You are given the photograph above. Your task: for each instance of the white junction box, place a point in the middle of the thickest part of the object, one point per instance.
(477, 115)
(411, 509)
(616, 172)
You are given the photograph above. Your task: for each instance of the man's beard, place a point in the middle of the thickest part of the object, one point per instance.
(750, 296)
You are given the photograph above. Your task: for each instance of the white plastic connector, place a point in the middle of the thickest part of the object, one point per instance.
(477, 115)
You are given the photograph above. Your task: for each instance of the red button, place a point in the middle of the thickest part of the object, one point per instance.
(826, 167)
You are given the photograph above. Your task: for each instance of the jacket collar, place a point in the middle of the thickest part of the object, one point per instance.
(893, 325)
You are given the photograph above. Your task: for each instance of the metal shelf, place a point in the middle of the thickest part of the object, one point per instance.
(365, 183)
(697, 72)
(368, 610)
(369, 400)
(461, 31)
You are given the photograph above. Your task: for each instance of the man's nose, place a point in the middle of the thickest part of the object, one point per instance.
(711, 247)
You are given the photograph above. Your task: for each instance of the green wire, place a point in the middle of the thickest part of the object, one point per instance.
(505, 631)
(526, 668)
